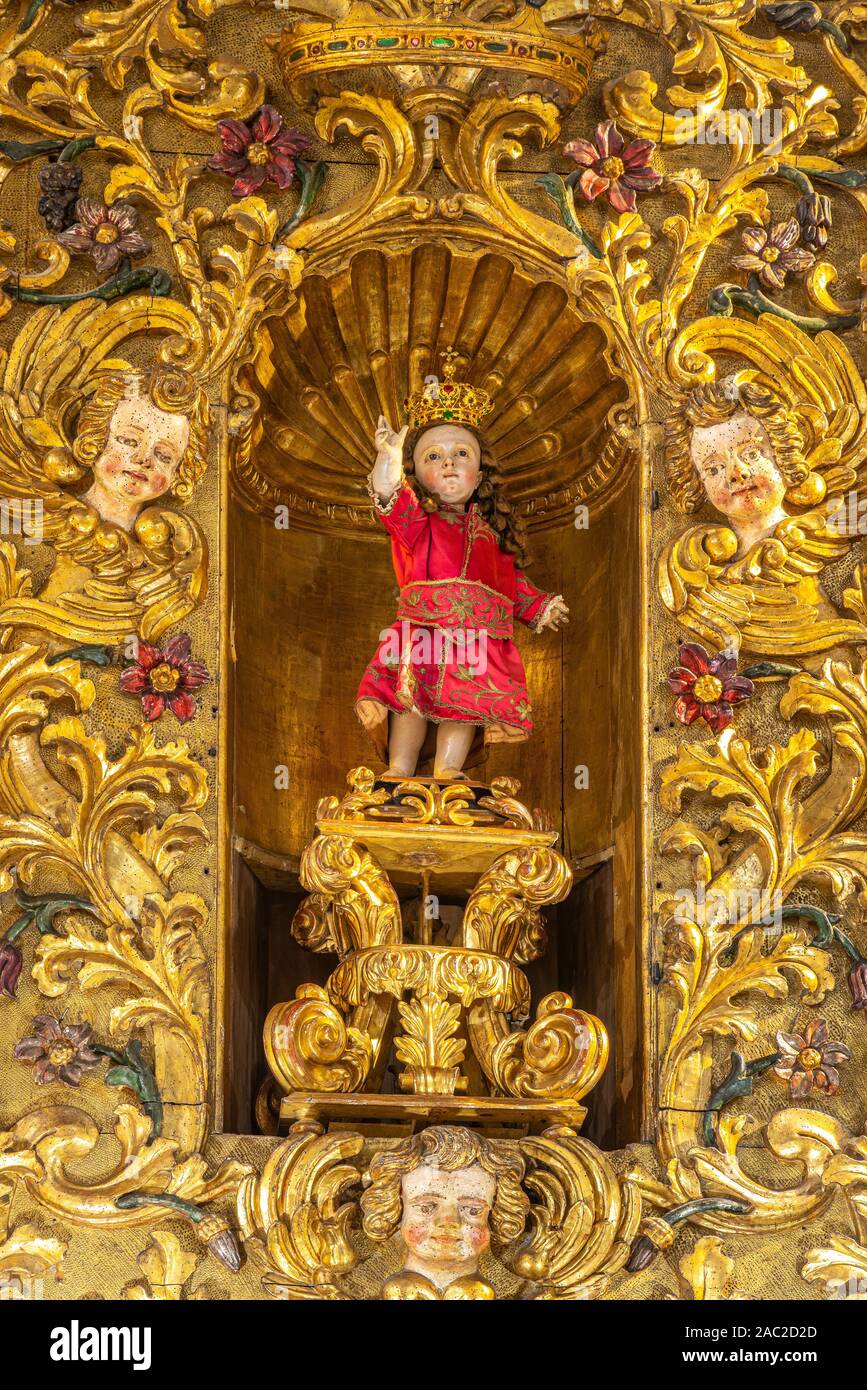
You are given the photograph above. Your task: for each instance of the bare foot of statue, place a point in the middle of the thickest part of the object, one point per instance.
(454, 741)
(407, 735)
(407, 732)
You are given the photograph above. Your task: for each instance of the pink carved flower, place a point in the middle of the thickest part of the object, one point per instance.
(254, 153)
(612, 168)
(165, 676)
(772, 252)
(57, 1052)
(707, 686)
(104, 234)
(808, 1061)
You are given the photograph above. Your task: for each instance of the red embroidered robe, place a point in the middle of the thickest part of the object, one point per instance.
(450, 655)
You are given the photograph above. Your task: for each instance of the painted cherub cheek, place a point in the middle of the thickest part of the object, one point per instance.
(414, 1237)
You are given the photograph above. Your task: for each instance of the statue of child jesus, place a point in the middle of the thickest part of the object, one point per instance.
(457, 550)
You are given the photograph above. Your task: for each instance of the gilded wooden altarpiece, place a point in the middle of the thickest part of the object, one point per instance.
(145, 263)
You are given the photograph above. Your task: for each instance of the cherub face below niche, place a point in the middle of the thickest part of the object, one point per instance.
(139, 460)
(736, 465)
(445, 1220)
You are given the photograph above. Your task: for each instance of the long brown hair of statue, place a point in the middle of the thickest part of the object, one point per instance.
(489, 496)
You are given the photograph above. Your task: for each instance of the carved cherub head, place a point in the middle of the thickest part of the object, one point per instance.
(739, 447)
(446, 1189)
(142, 436)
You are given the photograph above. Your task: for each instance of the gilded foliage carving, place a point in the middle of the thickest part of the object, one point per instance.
(95, 828)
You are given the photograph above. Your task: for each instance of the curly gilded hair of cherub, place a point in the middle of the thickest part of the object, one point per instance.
(168, 388)
(450, 1149)
(715, 403)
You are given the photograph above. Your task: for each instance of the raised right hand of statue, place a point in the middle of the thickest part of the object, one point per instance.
(388, 466)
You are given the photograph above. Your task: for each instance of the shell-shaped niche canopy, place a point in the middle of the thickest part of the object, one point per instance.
(364, 337)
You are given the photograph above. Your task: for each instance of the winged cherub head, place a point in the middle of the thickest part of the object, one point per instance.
(447, 1189)
(142, 435)
(739, 446)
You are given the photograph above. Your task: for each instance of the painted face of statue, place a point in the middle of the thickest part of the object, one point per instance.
(735, 461)
(445, 1220)
(447, 460)
(142, 453)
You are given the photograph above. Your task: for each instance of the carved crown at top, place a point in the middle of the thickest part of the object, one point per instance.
(442, 35)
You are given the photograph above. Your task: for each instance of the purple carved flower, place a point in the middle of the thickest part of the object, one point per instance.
(772, 252)
(707, 686)
(858, 985)
(10, 968)
(165, 677)
(58, 1052)
(104, 234)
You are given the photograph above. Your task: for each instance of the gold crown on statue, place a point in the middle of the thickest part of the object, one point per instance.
(448, 399)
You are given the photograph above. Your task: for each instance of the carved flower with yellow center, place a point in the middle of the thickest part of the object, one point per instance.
(257, 153)
(707, 687)
(772, 252)
(611, 168)
(809, 1061)
(107, 235)
(165, 677)
(809, 1058)
(608, 165)
(58, 1053)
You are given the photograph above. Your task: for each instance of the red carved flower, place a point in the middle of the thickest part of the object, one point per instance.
(165, 676)
(707, 687)
(254, 153)
(612, 168)
(808, 1060)
(104, 234)
(57, 1052)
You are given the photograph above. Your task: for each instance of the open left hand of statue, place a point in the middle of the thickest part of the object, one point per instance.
(558, 613)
